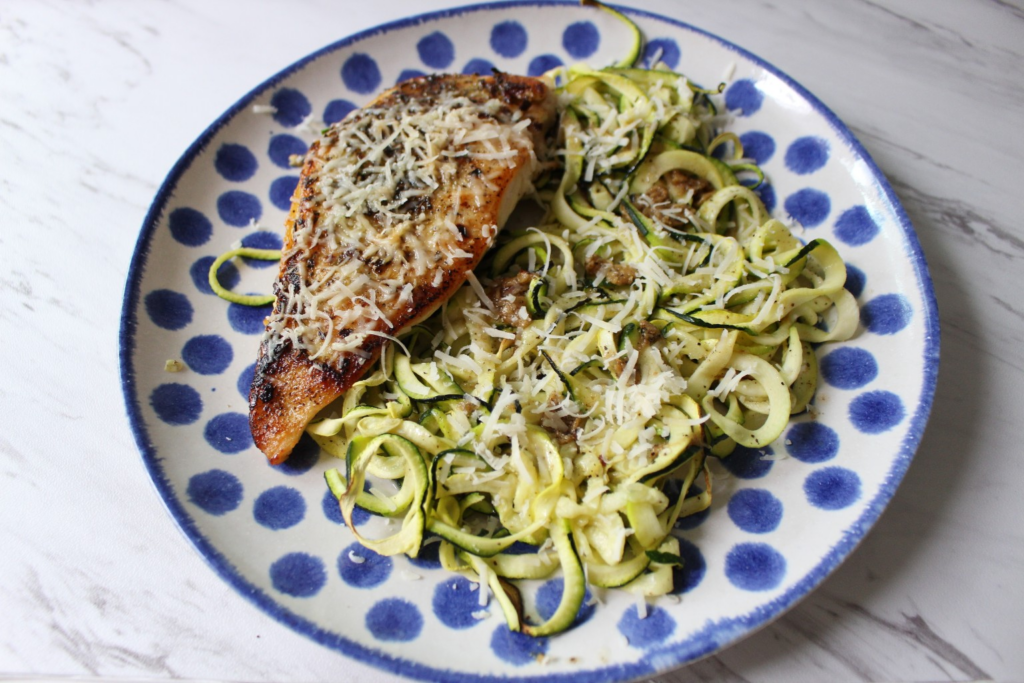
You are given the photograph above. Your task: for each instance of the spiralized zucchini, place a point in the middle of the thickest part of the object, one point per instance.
(570, 395)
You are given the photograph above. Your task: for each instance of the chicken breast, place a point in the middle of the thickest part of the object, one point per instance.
(396, 204)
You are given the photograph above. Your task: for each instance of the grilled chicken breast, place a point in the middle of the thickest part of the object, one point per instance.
(396, 204)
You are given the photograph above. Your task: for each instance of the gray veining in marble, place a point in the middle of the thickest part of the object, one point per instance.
(97, 101)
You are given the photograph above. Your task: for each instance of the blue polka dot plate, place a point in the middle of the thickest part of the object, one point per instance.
(782, 517)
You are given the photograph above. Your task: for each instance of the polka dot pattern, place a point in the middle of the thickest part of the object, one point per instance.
(303, 458)
(876, 412)
(855, 279)
(291, 107)
(247, 319)
(332, 511)
(543, 63)
(278, 508)
(661, 50)
(691, 573)
(253, 180)
(653, 629)
(394, 620)
(235, 162)
(176, 404)
(808, 207)
(436, 50)
(856, 227)
(207, 354)
(299, 575)
(755, 567)
(756, 511)
(758, 146)
(168, 309)
(581, 39)
(517, 649)
(363, 568)
(806, 155)
(228, 433)
(848, 368)
(239, 209)
(361, 74)
(478, 66)
(749, 463)
(455, 601)
(281, 191)
(743, 97)
(216, 492)
(886, 314)
(508, 39)
(812, 442)
(832, 488)
(189, 227)
(336, 110)
(282, 147)
(331, 508)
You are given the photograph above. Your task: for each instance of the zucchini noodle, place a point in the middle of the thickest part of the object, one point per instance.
(570, 395)
(235, 298)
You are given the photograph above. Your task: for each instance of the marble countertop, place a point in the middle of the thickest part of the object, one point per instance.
(98, 100)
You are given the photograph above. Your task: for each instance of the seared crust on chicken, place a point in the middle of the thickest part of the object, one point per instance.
(395, 206)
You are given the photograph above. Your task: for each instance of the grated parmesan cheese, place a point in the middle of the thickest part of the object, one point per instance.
(369, 173)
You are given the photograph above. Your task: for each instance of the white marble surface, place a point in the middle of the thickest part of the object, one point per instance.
(97, 101)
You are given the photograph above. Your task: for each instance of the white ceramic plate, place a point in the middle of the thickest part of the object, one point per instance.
(782, 519)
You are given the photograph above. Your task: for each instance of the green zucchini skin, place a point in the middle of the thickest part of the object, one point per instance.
(537, 304)
(574, 584)
(484, 420)
(412, 384)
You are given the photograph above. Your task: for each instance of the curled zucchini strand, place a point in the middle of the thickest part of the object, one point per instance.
(655, 317)
(235, 298)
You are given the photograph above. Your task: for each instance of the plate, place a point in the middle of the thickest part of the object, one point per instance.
(782, 518)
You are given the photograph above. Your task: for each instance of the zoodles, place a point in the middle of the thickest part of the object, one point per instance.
(656, 317)
(570, 395)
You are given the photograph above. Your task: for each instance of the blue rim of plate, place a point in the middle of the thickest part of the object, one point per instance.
(712, 637)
